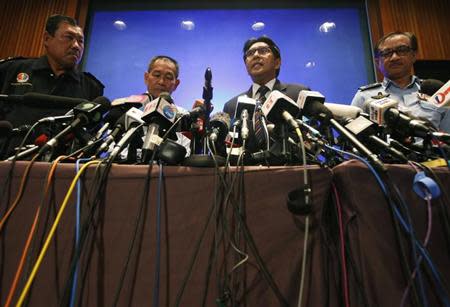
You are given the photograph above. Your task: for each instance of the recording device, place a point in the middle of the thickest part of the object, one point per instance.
(342, 111)
(247, 103)
(219, 125)
(245, 108)
(84, 114)
(159, 114)
(441, 98)
(44, 100)
(366, 130)
(312, 105)
(134, 101)
(385, 113)
(279, 108)
(132, 122)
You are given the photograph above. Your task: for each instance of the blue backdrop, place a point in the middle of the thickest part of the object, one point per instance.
(326, 49)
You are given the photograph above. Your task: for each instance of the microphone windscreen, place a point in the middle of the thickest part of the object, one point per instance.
(104, 102)
(41, 140)
(5, 128)
(343, 111)
(430, 86)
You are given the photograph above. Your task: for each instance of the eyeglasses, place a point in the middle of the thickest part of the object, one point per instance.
(261, 51)
(400, 51)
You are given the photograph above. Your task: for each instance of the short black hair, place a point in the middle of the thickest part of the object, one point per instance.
(165, 58)
(263, 39)
(412, 41)
(54, 21)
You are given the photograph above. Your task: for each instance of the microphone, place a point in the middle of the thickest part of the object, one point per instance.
(342, 111)
(159, 114)
(279, 107)
(136, 101)
(430, 86)
(132, 122)
(245, 108)
(44, 100)
(312, 105)
(385, 113)
(84, 113)
(219, 125)
(6, 128)
(365, 130)
(247, 103)
(114, 117)
(442, 96)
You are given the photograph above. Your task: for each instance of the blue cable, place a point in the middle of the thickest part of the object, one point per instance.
(158, 237)
(77, 231)
(441, 291)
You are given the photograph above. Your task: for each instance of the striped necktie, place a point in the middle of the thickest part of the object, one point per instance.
(259, 132)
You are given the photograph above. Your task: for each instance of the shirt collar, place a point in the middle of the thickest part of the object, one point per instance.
(269, 84)
(415, 81)
(42, 64)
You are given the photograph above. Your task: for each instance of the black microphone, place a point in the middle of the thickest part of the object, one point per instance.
(84, 114)
(365, 130)
(116, 116)
(132, 122)
(384, 112)
(430, 86)
(159, 114)
(44, 100)
(6, 128)
(219, 125)
(279, 108)
(312, 105)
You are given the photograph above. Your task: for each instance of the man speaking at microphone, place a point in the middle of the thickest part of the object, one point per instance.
(395, 54)
(262, 60)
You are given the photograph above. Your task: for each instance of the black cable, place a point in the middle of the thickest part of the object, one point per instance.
(98, 189)
(137, 222)
(398, 235)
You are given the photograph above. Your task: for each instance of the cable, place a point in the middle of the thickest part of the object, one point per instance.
(19, 195)
(158, 237)
(31, 234)
(435, 273)
(50, 235)
(77, 230)
(342, 247)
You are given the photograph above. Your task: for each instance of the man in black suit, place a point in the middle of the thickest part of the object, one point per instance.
(263, 61)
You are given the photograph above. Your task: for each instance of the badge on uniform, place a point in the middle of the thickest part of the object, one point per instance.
(22, 77)
(380, 95)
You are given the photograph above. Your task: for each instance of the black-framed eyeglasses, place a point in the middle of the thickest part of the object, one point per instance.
(400, 51)
(263, 50)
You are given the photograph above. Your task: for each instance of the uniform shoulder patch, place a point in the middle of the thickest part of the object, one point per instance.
(370, 86)
(93, 78)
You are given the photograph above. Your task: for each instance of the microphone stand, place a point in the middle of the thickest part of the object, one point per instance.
(202, 159)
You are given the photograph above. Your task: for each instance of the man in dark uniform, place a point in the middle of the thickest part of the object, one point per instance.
(263, 61)
(54, 73)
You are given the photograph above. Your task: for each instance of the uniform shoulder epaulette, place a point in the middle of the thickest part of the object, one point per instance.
(370, 86)
(12, 58)
(93, 78)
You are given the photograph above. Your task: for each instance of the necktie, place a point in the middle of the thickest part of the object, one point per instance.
(259, 132)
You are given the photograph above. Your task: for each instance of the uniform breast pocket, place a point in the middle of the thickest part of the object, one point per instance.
(429, 112)
(20, 88)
